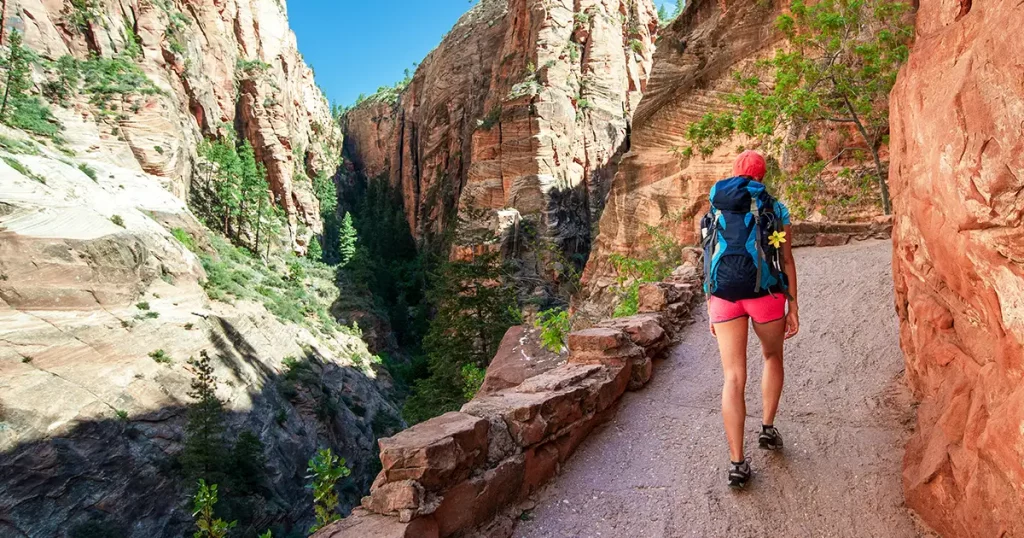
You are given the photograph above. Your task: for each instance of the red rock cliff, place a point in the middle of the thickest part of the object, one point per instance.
(519, 115)
(957, 175)
(220, 64)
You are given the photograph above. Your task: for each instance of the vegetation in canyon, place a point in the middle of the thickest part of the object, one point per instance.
(837, 71)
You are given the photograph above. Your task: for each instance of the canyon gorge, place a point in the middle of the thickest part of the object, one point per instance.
(548, 133)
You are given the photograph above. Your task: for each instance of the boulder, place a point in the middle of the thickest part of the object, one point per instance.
(956, 175)
(437, 452)
(520, 357)
(644, 330)
(476, 500)
(612, 348)
(547, 404)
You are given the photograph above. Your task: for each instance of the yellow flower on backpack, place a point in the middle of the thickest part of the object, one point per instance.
(776, 239)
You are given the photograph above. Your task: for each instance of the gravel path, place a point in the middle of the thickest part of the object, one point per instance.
(658, 468)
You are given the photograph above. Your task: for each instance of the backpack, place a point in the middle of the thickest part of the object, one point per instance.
(739, 262)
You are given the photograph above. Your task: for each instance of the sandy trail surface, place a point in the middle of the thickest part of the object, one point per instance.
(658, 468)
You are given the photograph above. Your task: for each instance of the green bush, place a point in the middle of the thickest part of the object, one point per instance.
(656, 264)
(554, 325)
(142, 305)
(88, 170)
(160, 356)
(83, 13)
(18, 147)
(107, 79)
(326, 469)
(116, 219)
(207, 525)
(184, 238)
(249, 68)
(232, 273)
(490, 120)
(22, 169)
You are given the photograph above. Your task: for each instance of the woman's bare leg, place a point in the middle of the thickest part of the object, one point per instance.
(732, 343)
(772, 336)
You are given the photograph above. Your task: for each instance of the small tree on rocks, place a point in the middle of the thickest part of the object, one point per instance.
(208, 526)
(326, 469)
(203, 456)
(347, 238)
(842, 62)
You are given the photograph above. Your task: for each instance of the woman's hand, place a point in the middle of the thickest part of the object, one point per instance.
(710, 323)
(792, 321)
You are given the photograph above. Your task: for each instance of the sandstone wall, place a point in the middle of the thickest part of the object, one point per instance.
(517, 117)
(194, 52)
(957, 173)
(91, 424)
(453, 474)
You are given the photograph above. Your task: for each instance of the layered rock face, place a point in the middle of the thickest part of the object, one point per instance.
(219, 66)
(100, 308)
(514, 122)
(693, 65)
(957, 173)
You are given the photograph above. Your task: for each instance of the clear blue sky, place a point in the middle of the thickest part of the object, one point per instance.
(356, 46)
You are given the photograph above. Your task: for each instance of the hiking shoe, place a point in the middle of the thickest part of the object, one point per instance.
(769, 438)
(739, 474)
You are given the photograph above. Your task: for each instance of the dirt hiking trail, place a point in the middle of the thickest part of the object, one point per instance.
(658, 468)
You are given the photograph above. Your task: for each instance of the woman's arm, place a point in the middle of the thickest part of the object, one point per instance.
(789, 267)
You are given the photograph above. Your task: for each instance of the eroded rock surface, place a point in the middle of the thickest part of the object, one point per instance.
(218, 66)
(100, 309)
(957, 174)
(515, 123)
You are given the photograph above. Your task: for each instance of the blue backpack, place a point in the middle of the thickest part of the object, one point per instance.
(739, 262)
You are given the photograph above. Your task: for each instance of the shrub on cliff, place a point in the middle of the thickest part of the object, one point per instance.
(653, 265)
(554, 325)
(18, 108)
(841, 63)
(325, 469)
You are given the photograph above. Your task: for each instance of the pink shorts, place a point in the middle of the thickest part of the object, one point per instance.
(762, 310)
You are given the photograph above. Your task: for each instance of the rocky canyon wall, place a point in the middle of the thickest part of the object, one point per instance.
(957, 175)
(101, 306)
(514, 123)
(100, 310)
(219, 66)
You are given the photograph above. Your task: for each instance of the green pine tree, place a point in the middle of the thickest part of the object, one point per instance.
(475, 306)
(203, 455)
(254, 192)
(315, 252)
(247, 465)
(18, 108)
(347, 239)
(18, 81)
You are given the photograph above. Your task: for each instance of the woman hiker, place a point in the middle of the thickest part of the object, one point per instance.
(749, 273)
